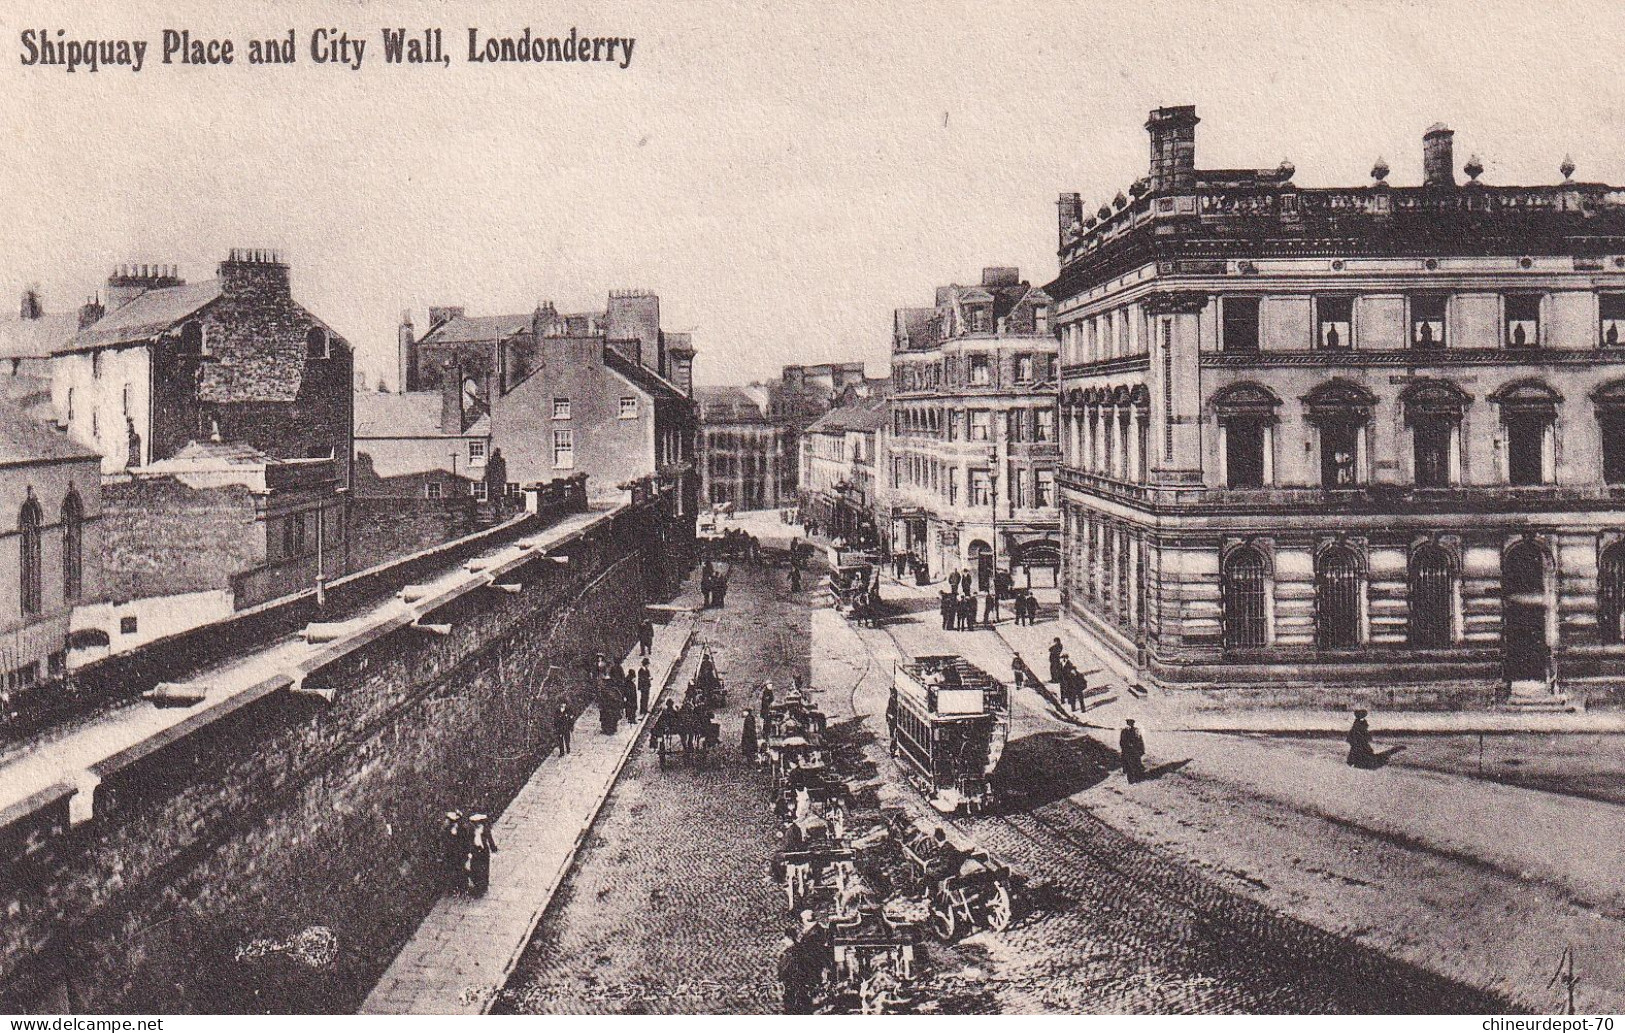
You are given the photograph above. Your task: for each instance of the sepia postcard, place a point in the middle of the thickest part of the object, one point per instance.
(891, 508)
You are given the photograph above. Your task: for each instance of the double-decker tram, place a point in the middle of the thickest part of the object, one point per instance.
(949, 722)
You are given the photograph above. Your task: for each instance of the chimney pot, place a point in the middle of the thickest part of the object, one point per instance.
(1173, 147)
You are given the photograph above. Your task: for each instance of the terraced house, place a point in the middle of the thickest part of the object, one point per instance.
(973, 449)
(1365, 441)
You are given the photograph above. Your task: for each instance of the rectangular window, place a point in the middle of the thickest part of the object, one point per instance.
(1523, 320)
(513, 489)
(476, 453)
(1334, 323)
(1044, 496)
(129, 625)
(1024, 369)
(629, 407)
(1339, 451)
(1015, 425)
(979, 371)
(1044, 424)
(953, 486)
(981, 488)
(953, 424)
(1427, 321)
(564, 450)
(482, 491)
(1612, 309)
(1613, 446)
(431, 490)
(1016, 478)
(1244, 453)
(561, 408)
(1526, 439)
(1431, 438)
(981, 425)
(1240, 325)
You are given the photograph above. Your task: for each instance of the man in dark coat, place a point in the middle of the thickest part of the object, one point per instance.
(1361, 754)
(609, 705)
(945, 605)
(454, 841)
(1132, 749)
(747, 736)
(1055, 652)
(645, 684)
(629, 689)
(563, 724)
(481, 846)
(953, 583)
(646, 636)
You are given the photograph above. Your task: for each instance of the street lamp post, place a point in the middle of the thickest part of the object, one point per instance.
(993, 497)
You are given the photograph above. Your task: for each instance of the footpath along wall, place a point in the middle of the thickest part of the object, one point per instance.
(210, 867)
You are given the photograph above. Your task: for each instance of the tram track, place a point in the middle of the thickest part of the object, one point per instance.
(1135, 930)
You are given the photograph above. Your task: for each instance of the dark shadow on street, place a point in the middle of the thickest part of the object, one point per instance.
(1050, 766)
(1152, 774)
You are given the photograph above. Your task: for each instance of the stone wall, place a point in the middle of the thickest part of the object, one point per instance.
(294, 814)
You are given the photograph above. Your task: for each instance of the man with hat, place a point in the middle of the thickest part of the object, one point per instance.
(1132, 749)
(455, 837)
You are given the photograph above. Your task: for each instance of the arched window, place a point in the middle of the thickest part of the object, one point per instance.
(73, 546)
(1432, 598)
(1337, 599)
(1528, 413)
(1340, 409)
(1433, 411)
(1611, 594)
(28, 538)
(1246, 413)
(1242, 590)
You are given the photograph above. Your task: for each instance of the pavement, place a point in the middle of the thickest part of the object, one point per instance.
(464, 951)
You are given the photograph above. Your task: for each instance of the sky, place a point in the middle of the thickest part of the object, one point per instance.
(784, 174)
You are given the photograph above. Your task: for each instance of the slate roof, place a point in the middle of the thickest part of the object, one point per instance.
(37, 338)
(25, 440)
(413, 414)
(472, 329)
(146, 315)
(727, 404)
(868, 414)
(642, 377)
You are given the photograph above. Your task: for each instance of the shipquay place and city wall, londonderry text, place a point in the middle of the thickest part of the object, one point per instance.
(65, 50)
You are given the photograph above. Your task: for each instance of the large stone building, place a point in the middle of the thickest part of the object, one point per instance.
(1363, 441)
(744, 458)
(972, 455)
(602, 393)
(50, 495)
(840, 462)
(232, 359)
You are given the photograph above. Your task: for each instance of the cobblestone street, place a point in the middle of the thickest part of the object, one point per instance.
(670, 907)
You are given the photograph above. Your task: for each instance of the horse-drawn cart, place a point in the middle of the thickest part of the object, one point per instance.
(968, 887)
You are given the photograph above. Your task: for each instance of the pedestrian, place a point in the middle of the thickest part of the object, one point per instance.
(795, 578)
(1016, 676)
(453, 851)
(481, 846)
(1080, 690)
(801, 964)
(1361, 754)
(990, 607)
(646, 636)
(767, 700)
(1055, 652)
(747, 736)
(1132, 749)
(945, 603)
(967, 611)
(953, 583)
(563, 725)
(1065, 683)
(629, 691)
(645, 683)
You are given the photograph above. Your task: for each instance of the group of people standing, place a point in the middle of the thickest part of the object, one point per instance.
(466, 846)
(1071, 684)
(713, 586)
(961, 604)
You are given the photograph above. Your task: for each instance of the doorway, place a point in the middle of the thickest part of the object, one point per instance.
(1525, 652)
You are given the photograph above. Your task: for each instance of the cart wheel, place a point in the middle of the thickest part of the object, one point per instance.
(998, 910)
(943, 921)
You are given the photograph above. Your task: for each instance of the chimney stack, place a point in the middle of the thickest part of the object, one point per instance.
(1069, 210)
(129, 282)
(452, 414)
(439, 314)
(1438, 160)
(1173, 147)
(89, 312)
(407, 355)
(253, 271)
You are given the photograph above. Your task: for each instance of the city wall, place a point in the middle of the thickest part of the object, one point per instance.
(189, 887)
